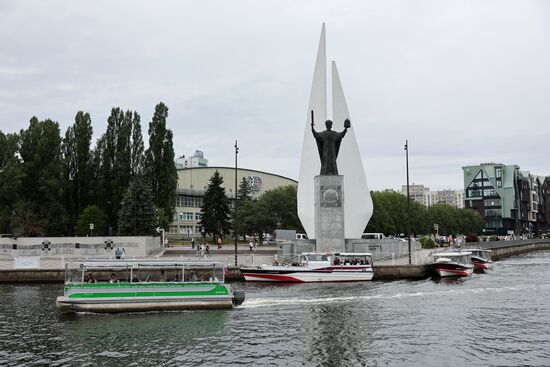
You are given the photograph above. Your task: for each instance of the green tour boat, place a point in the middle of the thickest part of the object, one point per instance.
(145, 285)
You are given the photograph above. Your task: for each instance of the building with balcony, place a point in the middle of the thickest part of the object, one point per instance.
(509, 200)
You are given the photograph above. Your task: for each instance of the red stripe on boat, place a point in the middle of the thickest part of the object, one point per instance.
(282, 278)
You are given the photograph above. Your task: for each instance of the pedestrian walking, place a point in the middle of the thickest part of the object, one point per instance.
(193, 243)
(118, 253)
(207, 251)
(251, 246)
(219, 243)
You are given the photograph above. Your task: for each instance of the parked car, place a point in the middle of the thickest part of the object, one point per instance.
(301, 236)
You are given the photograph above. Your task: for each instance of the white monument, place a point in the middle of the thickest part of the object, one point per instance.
(357, 206)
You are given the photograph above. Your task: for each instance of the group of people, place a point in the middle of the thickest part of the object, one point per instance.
(111, 279)
(347, 261)
(203, 249)
(120, 253)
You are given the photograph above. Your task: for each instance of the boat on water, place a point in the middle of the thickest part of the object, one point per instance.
(481, 259)
(315, 267)
(111, 286)
(448, 264)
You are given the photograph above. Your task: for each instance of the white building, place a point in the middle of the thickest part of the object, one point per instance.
(196, 160)
(422, 194)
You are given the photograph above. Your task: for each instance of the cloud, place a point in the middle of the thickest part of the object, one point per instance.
(464, 82)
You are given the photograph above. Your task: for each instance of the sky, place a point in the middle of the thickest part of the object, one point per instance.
(464, 81)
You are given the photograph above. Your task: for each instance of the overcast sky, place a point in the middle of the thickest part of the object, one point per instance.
(465, 81)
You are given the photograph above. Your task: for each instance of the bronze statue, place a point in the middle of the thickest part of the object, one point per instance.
(328, 144)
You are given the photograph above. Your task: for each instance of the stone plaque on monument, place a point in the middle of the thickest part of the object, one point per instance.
(329, 213)
(331, 196)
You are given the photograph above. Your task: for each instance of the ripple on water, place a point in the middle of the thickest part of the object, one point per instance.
(498, 318)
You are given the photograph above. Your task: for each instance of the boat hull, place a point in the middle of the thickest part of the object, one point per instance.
(301, 275)
(482, 264)
(65, 304)
(135, 297)
(452, 270)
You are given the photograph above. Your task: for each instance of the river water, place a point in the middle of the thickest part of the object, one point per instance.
(501, 318)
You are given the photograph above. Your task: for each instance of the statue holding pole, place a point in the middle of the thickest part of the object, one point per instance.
(328, 144)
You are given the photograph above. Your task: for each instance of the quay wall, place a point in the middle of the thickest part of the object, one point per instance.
(504, 249)
(80, 247)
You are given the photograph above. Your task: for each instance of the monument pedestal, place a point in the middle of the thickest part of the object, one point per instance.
(329, 213)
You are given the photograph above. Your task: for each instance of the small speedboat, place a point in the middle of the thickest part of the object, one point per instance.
(447, 264)
(481, 259)
(315, 267)
(145, 285)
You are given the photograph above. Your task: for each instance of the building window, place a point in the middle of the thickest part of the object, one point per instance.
(186, 216)
(492, 202)
(186, 230)
(499, 183)
(493, 212)
(198, 216)
(499, 172)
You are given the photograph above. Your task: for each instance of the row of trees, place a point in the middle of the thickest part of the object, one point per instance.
(53, 185)
(390, 217)
(277, 209)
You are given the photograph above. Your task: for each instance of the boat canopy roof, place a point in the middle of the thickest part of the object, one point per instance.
(478, 249)
(95, 264)
(452, 254)
(338, 253)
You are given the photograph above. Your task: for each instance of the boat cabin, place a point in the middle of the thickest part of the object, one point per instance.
(336, 258)
(143, 271)
(452, 257)
(481, 253)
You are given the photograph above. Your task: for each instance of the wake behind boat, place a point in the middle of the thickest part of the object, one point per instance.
(316, 267)
(145, 285)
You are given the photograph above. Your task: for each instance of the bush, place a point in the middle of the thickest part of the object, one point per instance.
(427, 242)
(472, 238)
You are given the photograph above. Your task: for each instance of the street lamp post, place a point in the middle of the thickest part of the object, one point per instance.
(408, 202)
(234, 216)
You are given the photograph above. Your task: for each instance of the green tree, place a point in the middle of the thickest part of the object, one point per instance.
(11, 175)
(281, 204)
(118, 157)
(390, 214)
(137, 214)
(253, 218)
(91, 215)
(42, 183)
(245, 191)
(77, 157)
(215, 208)
(160, 168)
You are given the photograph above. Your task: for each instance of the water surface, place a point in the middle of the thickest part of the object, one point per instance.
(501, 318)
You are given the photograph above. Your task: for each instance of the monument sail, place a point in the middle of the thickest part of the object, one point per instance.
(358, 203)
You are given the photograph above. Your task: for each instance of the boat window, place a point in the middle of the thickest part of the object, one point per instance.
(317, 257)
(204, 273)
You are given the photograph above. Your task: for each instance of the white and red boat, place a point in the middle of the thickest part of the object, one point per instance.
(481, 259)
(447, 264)
(316, 267)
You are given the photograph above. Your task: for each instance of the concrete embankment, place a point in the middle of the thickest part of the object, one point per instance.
(504, 249)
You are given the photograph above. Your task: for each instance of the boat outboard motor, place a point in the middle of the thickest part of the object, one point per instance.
(238, 298)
